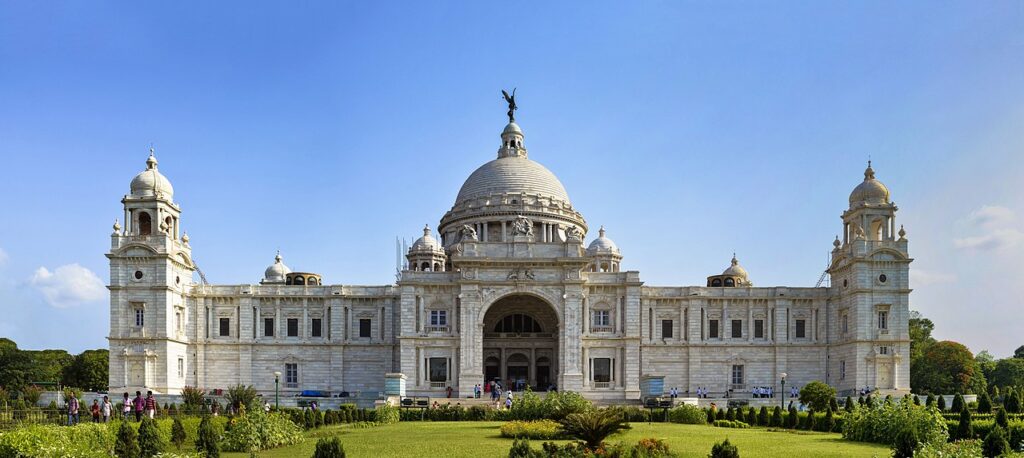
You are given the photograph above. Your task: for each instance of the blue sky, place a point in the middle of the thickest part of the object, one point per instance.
(690, 130)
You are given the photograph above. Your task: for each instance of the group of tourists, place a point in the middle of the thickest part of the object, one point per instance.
(102, 412)
(763, 392)
(139, 406)
(702, 392)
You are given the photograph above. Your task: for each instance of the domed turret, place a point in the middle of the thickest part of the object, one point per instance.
(870, 191)
(426, 253)
(277, 272)
(732, 276)
(607, 257)
(151, 182)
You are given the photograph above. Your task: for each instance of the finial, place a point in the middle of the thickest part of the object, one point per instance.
(426, 230)
(734, 260)
(600, 232)
(277, 258)
(151, 162)
(184, 238)
(835, 242)
(902, 233)
(869, 173)
(511, 99)
(117, 226)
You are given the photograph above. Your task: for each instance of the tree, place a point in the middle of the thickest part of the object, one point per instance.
(1019, 352)
(920, 334)
(242, 395)
(594, 426)
(964, 430)
(1012, 401)
(15, 366)
(724, 450)
(777, 417)
(178, 434)
(849, 405)
(762, 416)
(127, 444)
(792, 418)
(942, 403)
(930, 400)
(830, 422)
(1002, 419)
(906, 443)
(958, 404)
(331, 448)
(995, 444)
(47, 366)
(984, 403)
(817, 394)
(946, 367)
(986, 362)
(192, 398)
(1008, 372)
(206, 439)
(150, 443)
(89, 370)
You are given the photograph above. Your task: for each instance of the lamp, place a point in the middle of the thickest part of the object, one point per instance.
(277, 385)
(783, 390)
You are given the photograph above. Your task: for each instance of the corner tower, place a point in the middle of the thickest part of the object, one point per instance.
(150, 276)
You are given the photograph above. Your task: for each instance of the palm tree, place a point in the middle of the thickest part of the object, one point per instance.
(594, 426)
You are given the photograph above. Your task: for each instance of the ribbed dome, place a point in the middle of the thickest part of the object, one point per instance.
(512, 175)
(870, 191)
(736, 269)
(277, 271)
(426, 243)
(151, 182)
(602, 244)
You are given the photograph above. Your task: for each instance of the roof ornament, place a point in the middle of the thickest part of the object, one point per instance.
(151, 162)
(511, 99)
(902, 233)
(836, 243)
(426, 230)
(117, 226)
(869, 173)
(277, 258)
(600, 232)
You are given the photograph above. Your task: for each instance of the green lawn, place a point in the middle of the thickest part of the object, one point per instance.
(481, 439)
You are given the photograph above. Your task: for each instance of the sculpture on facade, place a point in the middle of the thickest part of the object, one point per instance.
(511, 99)
(522, 226)
(467, 233)
(573, 233)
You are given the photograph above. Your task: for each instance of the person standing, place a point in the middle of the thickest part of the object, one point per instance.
(126, 410)
(72, 410)
(150, 405)
(508, 400)
(95, 410)
(106, 409)
(139, 404)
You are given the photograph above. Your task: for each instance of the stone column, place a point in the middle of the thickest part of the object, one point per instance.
(503, 231)
(572, 370)
(586, 315)
(470, 340)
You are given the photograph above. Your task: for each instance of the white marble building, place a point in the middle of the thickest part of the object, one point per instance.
(507, 288)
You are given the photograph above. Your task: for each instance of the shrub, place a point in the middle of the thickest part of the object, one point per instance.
(82, 441)
(150, 443)
(930, 400)
(687, 414)
(906, 443)
(521, 449)
(817, 395)
(792, 418)
(958, 404)
(963, 428)
(178, 434)
(777, 417)
(127, 445)
(882, 424)
(258, 430)
(329, 448)
(724, 450)
(721, 415)
(995, 443)
(192, 399)
(984, 403)
(242, 396)
(206, 439)
(594, 426)
(386, 414)
(535, 429)
(1012, 401)
(730, 414)
(1001, 419)
(751, 416)
(848, 405)
(810, 421)
(31, 395)
(730, 424)
(829, 423)
(651, 447)
(917, 400)
(942, 402)
(959, 449)
(762, 416)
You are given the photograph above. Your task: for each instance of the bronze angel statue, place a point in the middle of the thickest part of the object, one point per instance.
(511, 99)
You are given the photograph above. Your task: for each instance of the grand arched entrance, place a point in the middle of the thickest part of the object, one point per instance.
(520, 343)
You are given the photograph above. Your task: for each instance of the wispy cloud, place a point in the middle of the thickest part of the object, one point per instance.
(919, 277)
(68, 285)
(996, 226)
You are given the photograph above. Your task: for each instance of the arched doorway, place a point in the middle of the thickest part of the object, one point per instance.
(520, 343)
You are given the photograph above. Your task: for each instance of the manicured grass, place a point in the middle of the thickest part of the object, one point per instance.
(481, 439)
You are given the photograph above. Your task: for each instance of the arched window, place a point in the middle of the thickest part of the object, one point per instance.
(425, 266)
(716, 282)
(437, 267)
(145, 224)
(167, 222)
(300, 280)
(517, 322)
(730, 282)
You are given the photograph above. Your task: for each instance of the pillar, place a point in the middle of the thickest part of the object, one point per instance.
(503, 231)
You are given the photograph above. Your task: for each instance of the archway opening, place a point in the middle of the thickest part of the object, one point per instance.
(520, 343)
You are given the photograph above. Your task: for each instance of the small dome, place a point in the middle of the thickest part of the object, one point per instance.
(277, 271)
(151, 182)
(870, 191)
(602, 244)
(512, 128)
(426, 243)
(736, 269)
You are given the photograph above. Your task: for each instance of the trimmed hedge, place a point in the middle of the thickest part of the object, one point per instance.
(730, 424)
(535, 429)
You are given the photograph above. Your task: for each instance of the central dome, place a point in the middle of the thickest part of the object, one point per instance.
(512, 175)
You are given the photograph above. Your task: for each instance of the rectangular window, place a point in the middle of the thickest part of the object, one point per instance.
(666, 329)
(883, 319)
(438, 369)
(364, 327)
(758, 329)
(737, 329)
(177, 321)
(842, 370)
(181, 367)
(845, 323)
(268, 327)
(713, 329)
(225, 327)
(801, 329)
(140, 317)
(439, 318)
(315, 330)
(291, 375)
(293, 327)
(602, 318)
(737, 375)
(602, 370)
(883, 350)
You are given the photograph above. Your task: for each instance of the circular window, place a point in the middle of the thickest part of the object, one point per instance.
(882, 278)
(138, 275)
(846, 283)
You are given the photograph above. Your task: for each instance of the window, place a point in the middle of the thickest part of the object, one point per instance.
(602, 318)
(291, 375)
(713, 329)
(737, 374)
(729, 283)
(268, 327)
(177, 321)
(438, 369)
(293, 327)
(737, 329)
(364, 327)
(602, 369)
(517, 323)
(225, 327)
(844, 323)
(439, 318)
(315, 330)
(842, 370)
(140, 317)
(883, 350)
(181, 367)
(801, 329)
(883, 319)
(666, 329)
(145, 224)
(758, 329)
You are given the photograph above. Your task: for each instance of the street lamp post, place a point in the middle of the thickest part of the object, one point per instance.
(783, 391)
(277, 386)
